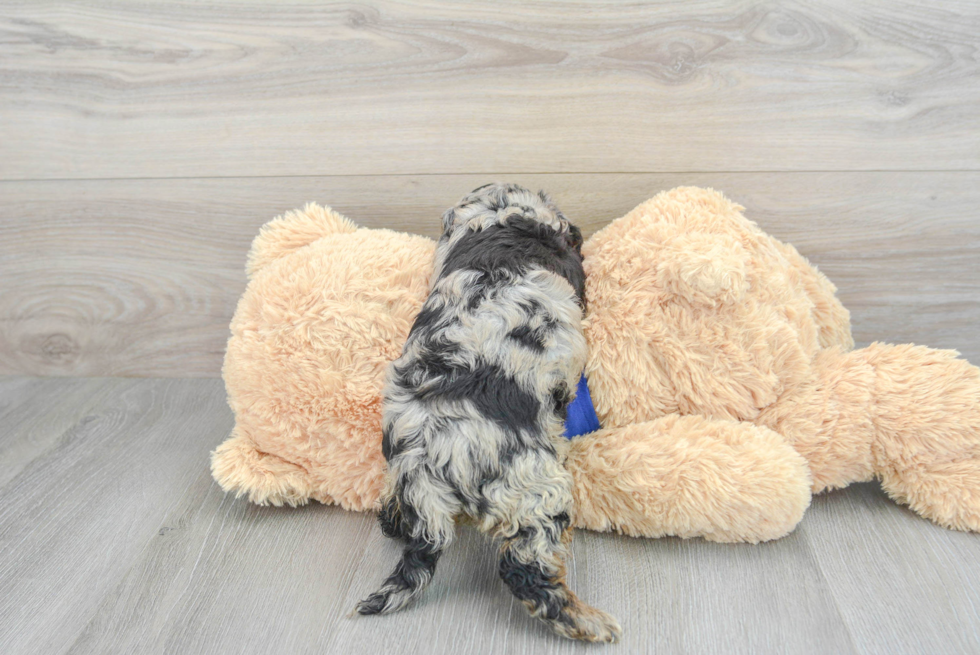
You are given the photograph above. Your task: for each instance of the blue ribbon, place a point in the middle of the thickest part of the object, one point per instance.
(582, 418)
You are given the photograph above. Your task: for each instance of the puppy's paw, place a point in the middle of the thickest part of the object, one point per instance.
(384, 601)
(588, 624)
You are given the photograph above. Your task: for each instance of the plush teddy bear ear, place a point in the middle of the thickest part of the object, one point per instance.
(293, 230)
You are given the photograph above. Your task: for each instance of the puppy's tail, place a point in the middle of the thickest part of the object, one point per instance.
(412, 574)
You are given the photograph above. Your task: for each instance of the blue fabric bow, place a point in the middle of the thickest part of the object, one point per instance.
(582, 418)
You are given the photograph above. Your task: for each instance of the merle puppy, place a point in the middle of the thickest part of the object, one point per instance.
(474, 408)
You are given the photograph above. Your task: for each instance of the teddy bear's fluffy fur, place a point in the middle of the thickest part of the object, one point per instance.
(720, 364)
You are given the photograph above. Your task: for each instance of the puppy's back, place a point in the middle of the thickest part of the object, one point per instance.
(474, 407)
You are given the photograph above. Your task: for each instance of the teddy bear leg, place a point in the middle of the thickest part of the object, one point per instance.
(266, 479)
(927, 446)
(689, 476)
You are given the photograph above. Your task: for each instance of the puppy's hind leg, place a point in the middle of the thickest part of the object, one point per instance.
(425, 519)
(540, 585)
(532, 564)
(390, 518)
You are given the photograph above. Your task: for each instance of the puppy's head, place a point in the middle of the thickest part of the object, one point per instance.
(496, 204)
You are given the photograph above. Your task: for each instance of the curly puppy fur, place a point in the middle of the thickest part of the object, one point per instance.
(474, 408)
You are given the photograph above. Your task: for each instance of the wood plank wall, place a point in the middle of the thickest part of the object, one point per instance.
(142, 144)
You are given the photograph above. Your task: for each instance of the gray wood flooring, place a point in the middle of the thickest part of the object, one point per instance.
(114, 539)
(118, 88)
(140, 277)
(143, 143)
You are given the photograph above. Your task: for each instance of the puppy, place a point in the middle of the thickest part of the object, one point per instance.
(474, 408)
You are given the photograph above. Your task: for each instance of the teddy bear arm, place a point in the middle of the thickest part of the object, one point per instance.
(265, 478)
(689, 476)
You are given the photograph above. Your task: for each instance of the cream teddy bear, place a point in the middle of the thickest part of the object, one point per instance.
(721, 369)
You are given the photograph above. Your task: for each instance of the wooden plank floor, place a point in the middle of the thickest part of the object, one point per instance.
(114, 539)
(117, 88)
(142, 144)
(141, 277)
